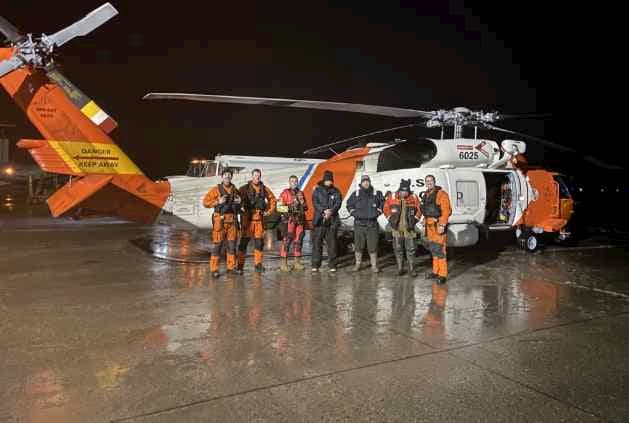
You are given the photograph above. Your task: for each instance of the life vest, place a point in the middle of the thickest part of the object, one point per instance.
(256, 200)
(292, 210)
(229, 206)
(395, 205)
(428, 205)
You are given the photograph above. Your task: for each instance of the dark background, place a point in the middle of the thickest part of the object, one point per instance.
(513, 57)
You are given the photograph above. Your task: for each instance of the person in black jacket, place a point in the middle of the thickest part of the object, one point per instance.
(365, 205)
(326, 199)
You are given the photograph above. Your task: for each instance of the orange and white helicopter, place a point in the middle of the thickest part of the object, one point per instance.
(476, 173)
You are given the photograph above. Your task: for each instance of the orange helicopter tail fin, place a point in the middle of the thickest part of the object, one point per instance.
(104, 179)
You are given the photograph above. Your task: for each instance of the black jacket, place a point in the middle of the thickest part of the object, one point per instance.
(365, 205)
(326, 198)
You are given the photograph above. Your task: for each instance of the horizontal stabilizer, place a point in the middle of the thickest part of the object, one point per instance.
(80, 157)
(73, 193)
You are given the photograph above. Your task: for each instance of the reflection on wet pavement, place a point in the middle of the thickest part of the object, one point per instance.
(97, 330)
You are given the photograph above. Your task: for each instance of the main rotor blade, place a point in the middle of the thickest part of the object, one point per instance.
(539, 140)
(9, 65)
(9, 31)
(526, 116)
(86, 25)
(589, 159)
(346, 140)
(303, 104)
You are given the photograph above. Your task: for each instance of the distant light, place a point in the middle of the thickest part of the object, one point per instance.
(195, 162)
(602, 189)
(9, 171)
(580, 189)
(617, 189)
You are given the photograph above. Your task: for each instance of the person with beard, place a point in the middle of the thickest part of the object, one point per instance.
(326, 199)
(258, 202)
(292, 208)
(365, 205)
(225, 200)
(436, 210)
(402, 210)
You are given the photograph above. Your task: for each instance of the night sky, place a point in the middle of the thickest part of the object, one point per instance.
(510, 57)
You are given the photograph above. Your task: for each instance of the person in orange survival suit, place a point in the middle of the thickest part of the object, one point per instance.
(226, 201)
(436, 210)
(292, 207)
(258, 201)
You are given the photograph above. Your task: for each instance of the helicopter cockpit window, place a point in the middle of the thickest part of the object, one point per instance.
(564, 191)
(407, 155)
(195, 168)
(201, 168)
(210, 169)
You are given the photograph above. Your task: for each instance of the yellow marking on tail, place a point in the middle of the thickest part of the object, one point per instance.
(86, 157)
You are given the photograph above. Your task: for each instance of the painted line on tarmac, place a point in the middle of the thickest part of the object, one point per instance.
(599, 290)
(562, 250)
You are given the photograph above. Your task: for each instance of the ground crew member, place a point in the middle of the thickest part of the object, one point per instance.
(257, 202)
(326, 199)
(365, 205)
(292, 208)
(225, 200)
(403, 213)
(436, 210)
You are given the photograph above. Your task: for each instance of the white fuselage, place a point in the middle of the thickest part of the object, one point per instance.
(472, 190)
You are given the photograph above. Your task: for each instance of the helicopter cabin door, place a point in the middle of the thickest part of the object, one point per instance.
(468, 195)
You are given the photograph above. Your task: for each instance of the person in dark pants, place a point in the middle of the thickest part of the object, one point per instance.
(365, 205)
(326, 199)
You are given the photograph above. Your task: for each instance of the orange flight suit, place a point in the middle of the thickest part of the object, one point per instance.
(252, 224)
(437, 242)
(224, 226)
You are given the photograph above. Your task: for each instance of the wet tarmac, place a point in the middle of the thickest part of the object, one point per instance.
(95, 328)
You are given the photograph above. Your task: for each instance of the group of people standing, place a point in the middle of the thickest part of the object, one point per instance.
(241, 212)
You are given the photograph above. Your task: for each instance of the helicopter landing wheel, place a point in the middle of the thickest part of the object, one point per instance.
(530, 241)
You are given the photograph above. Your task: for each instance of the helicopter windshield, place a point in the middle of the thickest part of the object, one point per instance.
(407, 155)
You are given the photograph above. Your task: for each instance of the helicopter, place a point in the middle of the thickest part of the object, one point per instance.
(490, 185)
(103, 179)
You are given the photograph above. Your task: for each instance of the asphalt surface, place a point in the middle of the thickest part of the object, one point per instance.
(102, 320)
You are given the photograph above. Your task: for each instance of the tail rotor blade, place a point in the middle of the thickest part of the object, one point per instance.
(84, 26)
(9, 31)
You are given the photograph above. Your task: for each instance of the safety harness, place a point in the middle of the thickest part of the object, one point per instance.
(428, 205)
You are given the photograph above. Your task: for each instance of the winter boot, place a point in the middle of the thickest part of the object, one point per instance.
(373, 258)
(359, 259)
(411, 264)
(284, 266)
(399, 258)
(297, 264)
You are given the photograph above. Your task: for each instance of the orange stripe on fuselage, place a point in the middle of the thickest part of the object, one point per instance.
(344, 168)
